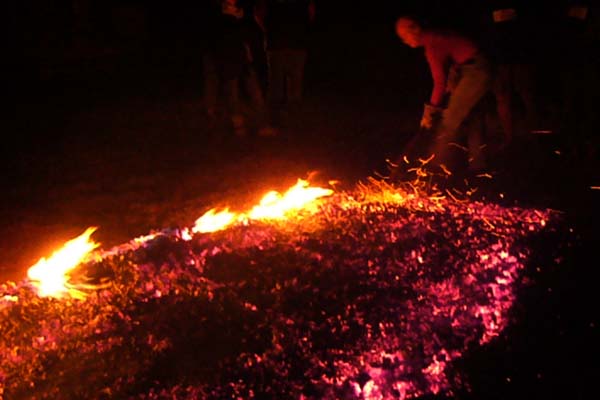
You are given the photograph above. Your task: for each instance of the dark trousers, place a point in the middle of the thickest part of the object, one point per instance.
(239, 94)
(578, 113)
(285, 80)
(515, 82)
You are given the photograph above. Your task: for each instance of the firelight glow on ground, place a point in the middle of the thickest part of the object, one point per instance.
(370, 294)
(50, 276)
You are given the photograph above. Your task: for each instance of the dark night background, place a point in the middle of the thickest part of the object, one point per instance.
(106, 127)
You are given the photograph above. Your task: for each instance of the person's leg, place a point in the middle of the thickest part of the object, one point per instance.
(524, 82)
(232, 93)
(255, 95)
(211, 84)
(276, 84)
(502, 88)
(590, 101)
(254, 89)
(296, 64)
(294, 80)
(579, 110)
(474, 83)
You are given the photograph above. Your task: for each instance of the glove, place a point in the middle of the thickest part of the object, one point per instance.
(431, 114)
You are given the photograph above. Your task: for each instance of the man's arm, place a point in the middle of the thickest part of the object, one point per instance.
(438, 67)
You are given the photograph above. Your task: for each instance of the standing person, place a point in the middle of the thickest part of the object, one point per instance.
(578, 72)
(286, 24)
(512, 51)
(229, 69)
(461, 78)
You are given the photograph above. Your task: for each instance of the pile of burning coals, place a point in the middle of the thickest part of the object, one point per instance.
(372, 294)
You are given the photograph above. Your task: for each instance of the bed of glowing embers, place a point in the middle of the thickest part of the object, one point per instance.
(369, 294)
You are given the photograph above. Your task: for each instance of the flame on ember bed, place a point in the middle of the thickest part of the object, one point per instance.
(273, 205)
(50, 276)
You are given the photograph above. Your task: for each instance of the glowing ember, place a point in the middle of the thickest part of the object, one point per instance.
(49, 276)
(377, 300)
(273, 205)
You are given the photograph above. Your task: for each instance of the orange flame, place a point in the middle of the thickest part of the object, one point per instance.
(212, 221)
(273, 205)
(50, 276)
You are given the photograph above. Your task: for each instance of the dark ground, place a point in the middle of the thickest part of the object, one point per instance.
(122, 143)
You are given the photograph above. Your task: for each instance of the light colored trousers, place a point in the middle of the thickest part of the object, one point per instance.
(468, 84)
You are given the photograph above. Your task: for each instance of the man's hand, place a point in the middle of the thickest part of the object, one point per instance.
(431, 114)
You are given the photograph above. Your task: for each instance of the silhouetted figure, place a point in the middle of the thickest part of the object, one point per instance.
(461, 78)
(286, 24)
(512, 51)
(578, 44)
(229, 70)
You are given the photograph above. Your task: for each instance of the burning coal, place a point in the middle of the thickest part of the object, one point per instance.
(369, 294)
